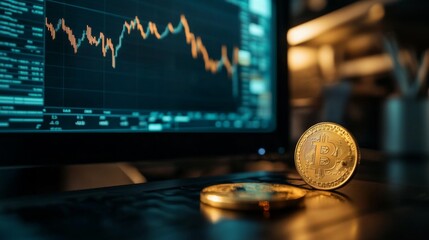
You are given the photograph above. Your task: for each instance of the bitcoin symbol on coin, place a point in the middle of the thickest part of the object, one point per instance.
(326, 156)
(325, 152)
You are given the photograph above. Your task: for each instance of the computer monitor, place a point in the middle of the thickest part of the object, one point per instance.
(131, 80)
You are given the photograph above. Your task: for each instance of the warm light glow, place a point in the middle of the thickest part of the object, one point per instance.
(214, 198)
(214, 215)
(317, 5)
(132, 173)
(313, 28)
(366, 66)
(321, 208)
(265, 205)
(326, 57)
(361, 42)
(376, 13)
(300, 58)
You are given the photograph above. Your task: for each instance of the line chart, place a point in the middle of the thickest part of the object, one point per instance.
(198, 49)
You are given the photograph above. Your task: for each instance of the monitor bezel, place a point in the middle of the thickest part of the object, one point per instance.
(37, 149)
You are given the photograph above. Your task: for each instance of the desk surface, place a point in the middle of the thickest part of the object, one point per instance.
(385, 200)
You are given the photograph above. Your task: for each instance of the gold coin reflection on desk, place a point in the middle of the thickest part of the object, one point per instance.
(252, 196)
(326, 156)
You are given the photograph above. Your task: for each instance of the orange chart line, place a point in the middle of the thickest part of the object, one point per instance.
(196, 43)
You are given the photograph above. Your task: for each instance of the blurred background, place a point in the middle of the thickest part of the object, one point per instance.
(362, 64)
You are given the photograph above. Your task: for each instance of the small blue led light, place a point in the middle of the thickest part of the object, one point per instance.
(261, 151)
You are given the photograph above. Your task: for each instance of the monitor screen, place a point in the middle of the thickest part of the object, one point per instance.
(137, 66)
(132, 80)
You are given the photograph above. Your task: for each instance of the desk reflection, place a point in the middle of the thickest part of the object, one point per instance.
(322, 215)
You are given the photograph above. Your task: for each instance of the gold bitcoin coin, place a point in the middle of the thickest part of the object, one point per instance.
(252, 196)
(326, 156)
